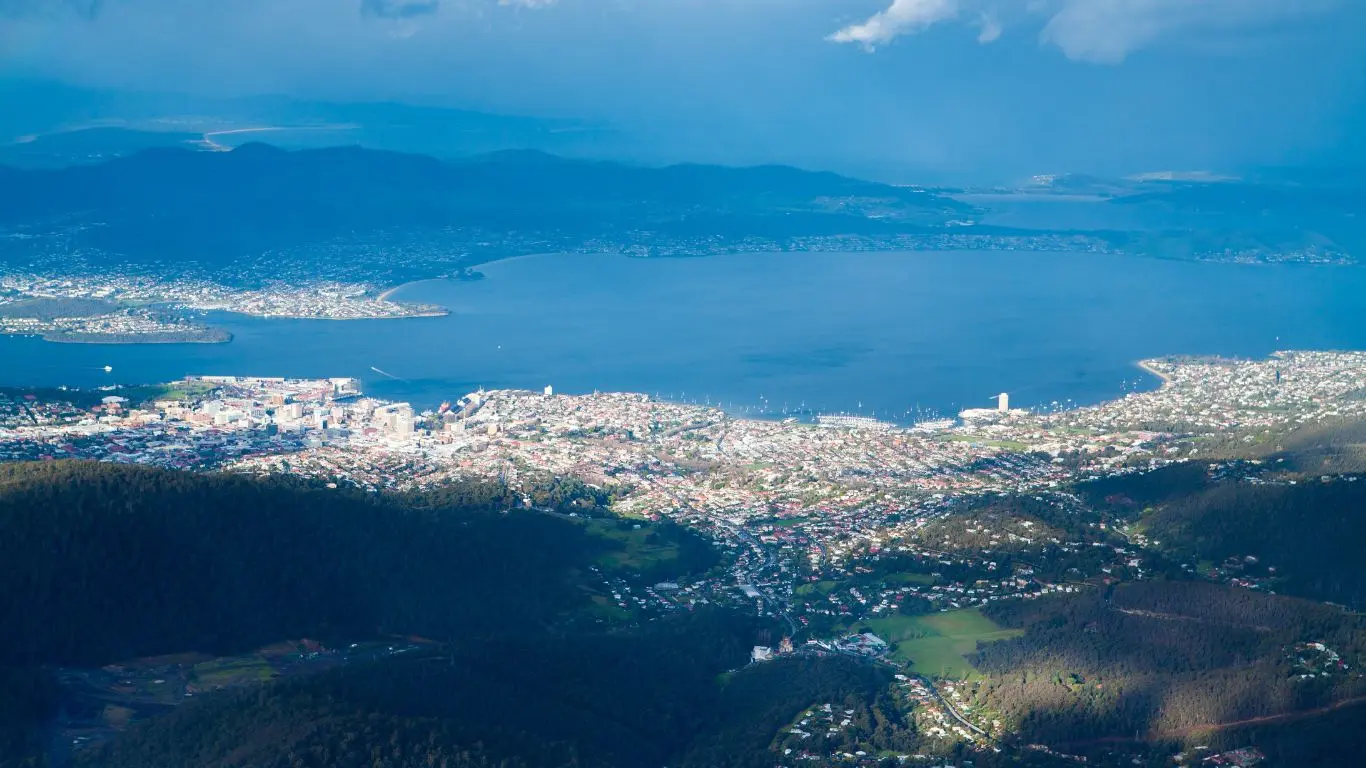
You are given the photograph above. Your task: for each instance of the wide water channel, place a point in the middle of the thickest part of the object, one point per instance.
(896, 334)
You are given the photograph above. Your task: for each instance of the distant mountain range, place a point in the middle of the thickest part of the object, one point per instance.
(62, 112)
(121, 197)
(90, 145)
(259, 197)
(433, 190)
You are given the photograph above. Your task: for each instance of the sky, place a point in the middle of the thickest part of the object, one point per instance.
(974, 88)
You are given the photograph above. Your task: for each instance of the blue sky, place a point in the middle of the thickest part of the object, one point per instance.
(999, 88)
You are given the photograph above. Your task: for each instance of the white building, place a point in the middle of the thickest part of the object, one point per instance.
(974, 415)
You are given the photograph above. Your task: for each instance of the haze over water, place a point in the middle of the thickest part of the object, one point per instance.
(883, 332)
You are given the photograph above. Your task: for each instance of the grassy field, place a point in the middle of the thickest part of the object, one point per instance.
(1076, 430)
(185, 390)
(1005, 445)
(223, 673)
(935, 644)
(182, 390)
(116, 716)
(635, 553)
(911, 578)
(813, 588)
(603, 608)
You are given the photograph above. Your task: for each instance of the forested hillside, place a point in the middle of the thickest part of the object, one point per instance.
(1301, 534)
(105, 562)
(1311, 534)
(1165, 660)
(645, 697)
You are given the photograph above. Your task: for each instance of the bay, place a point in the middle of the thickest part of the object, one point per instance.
(898, 335)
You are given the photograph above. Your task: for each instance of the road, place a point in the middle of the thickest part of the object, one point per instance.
(948, 705)
(952, 710)
(770, 560)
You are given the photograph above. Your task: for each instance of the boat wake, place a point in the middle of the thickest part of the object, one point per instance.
(386, 373)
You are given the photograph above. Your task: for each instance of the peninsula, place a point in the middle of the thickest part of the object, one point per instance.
(99, 309)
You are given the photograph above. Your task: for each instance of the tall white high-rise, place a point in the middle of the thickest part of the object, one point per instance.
(549, 390)
(1003, 402)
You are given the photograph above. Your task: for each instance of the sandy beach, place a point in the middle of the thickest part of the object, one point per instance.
(1159, 374)
(391, 291)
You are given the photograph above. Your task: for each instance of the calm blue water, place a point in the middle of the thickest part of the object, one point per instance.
(833, 331)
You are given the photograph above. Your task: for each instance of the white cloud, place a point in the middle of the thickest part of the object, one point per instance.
(989, 27)
(1107, 31)
(1103, 31)
(901, 18)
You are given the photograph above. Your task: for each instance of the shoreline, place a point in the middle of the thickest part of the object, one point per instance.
(388, 292)
(443, 312)
(384, 296)
(150, 340)
(1147, 368)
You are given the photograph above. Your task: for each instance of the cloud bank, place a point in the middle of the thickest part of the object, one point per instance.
(1102, 31)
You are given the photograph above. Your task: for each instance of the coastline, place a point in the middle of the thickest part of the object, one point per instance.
(384, 296)
(388, 292)
(1147, 368)
(145, 339)
(211, 335)
(443, 312)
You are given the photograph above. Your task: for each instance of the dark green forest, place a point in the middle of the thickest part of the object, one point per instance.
(1312, 534)
(1161, 659)
(644, 697)
(1305, 534)
(106, 562)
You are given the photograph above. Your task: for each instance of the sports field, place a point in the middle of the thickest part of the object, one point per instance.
(935, 644)
(232, 671)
